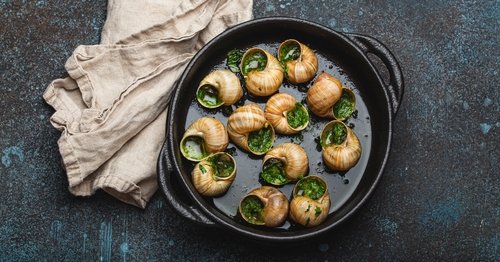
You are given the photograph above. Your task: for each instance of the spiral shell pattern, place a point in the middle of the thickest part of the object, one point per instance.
(267, 81)
(243, 121)
(275, 208)
(205, 179)
(307, 211)
(276, 109)
(344, 156)
(293, 156)
(323, 94)
(302, 69)
(213, 133)
(227, 84)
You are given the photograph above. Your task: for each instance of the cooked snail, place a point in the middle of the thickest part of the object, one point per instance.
(328, 98)
(341, 147)
(204, 136)
(248, 128)
(285, 163)
(286, 114)
(213, 175)
(345, 106)
(323, 94)
(301, 64)
(311, 201)
(265, 206)
(220, 87)
(262, 72)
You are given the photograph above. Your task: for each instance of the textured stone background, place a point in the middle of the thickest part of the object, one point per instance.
(439, 197)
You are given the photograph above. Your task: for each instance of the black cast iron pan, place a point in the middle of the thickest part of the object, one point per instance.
(344, 55)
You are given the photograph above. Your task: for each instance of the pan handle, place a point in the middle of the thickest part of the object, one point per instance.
(165, 175)
(396, 82)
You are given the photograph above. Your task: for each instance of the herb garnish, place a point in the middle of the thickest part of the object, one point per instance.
(317, 211)
(254, 61)
(193, 147)
(251, 207)
(273, 172)
(233, 60)
(223, 165)
(297, 117)
(311, 188)
(261, 141)
(336, 135)
(344, 108)
(288, 52)
(208, 96)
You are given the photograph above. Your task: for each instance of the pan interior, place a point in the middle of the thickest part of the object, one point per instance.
(336, 57)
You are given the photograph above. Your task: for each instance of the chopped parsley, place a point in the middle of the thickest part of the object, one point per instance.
(317, 211)
(290, 51)
(273, 172)
(251, 207)
(261, 141)
(344, 108)
(335, 135)
(193, 147)
(311, 187)
(297, 117)
(233, 60)
(222, 164)
(208, 96)
(254, 61)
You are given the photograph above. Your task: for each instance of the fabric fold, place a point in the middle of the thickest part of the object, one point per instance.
(112, 107)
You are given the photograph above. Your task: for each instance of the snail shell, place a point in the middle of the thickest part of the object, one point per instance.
(293, 158)
(244, 121)
(323, 94)
(204, 136)
(345, 154)
(277, 109)
(301, 69)
(306, 210)
(262, 82)
(213, 175)
(274, 207)
(226, 85)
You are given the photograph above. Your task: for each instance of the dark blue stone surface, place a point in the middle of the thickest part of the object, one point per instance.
(438, 199)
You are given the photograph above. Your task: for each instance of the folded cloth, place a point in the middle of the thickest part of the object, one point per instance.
(112, 107)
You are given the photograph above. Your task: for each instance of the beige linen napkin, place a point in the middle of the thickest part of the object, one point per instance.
(112, 107)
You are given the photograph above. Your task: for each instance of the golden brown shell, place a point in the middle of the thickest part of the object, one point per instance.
(294, 158)
(343, 156)
(205, 176)
(303, 68)
(276, 110)
(323, 94)
(275, 208)
(211, 131)
(307, 211)
(267, 81)
(243, 121)
(226, 83)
